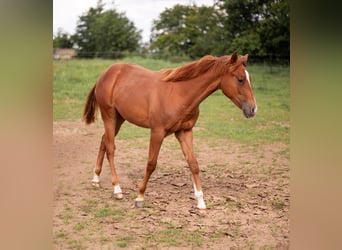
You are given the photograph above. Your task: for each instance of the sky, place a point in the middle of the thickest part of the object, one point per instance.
(140, 12)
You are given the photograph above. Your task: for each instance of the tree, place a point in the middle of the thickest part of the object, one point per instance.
(185, 30)
(275, 30)
(62, 40)
(258, 27)
(107, 33)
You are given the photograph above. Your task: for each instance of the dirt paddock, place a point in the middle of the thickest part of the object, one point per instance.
(246, 189)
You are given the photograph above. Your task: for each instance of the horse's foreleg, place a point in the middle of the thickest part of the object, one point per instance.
(156, 140)
(186, 141)
(97, 171)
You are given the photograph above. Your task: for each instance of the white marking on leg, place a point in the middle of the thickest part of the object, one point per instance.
(117, 189)
(199, 198)
(96, 178)
(117, 192)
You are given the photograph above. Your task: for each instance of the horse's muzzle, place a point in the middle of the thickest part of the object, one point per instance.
(250, 111)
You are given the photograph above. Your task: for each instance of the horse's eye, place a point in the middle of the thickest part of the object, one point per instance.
(240, 81)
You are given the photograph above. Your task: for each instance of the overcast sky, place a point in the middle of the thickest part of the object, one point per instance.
(141, 12)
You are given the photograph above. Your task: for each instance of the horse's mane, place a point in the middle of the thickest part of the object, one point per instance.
(191, 70)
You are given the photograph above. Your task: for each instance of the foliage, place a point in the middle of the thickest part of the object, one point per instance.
(186, 30)
(275, 29)
(62, 40)
(106, 34)
(258, 27)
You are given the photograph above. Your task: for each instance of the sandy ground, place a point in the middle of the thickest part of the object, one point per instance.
(246, 188)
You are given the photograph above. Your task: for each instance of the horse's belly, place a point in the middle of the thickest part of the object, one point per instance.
(135, 116)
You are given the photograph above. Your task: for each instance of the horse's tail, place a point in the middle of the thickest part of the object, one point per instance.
(90, 108)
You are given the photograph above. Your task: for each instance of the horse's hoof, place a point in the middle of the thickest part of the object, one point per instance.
(202, 211)
(95, 184)
(118, 196)
(139, 202)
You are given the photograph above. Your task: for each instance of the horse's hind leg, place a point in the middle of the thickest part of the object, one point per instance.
(102, 150)
(112, 122)
(97, 171)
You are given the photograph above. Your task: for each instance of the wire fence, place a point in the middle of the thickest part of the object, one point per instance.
(269, 59)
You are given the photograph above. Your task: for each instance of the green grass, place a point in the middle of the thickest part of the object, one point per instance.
(278, 204)
(176, 237)
(219, 117)
(75, 244)
(116, 214)
(123, 242)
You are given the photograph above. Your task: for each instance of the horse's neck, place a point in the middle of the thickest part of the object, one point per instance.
(200, 88)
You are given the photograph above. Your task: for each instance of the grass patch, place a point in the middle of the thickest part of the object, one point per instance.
(123, 241)
(195, 239)
(170, 236)
(116, 214)
(266, 247)
(176, 237)
(88, 205)
(75, 244)
(79, 227)
(61, 234)
(68, 215)
(278, 204)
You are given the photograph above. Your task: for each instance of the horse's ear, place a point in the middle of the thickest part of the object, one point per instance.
(234, 57)
(244, 59)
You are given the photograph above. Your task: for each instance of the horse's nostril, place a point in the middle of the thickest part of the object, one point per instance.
(254, 109)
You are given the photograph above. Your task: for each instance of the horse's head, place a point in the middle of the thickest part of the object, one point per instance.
(236, 84)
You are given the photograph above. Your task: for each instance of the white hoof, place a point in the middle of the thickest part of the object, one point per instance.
(201, 205)
(118, 196)
(202, 212)
(118, 192)
(139, 202)
(200, 200)
(95, 182)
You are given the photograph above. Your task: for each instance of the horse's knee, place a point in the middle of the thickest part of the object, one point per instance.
(110, 154)
(151, 166)
(194, 168)
(103, 144)
(110, 149)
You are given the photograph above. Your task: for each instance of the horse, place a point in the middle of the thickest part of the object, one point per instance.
(167, 102)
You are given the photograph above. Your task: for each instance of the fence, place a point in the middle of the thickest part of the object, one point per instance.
(267, 60)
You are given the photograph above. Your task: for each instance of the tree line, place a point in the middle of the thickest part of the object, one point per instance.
(260, 28)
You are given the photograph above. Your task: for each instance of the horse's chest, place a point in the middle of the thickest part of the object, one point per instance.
(186, 121)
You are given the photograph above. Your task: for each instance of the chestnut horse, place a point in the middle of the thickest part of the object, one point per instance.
(166, 101)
